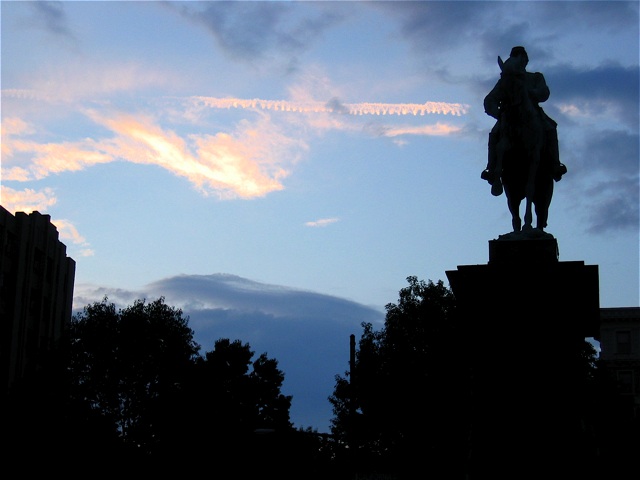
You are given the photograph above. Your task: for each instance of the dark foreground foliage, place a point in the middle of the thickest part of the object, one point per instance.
(127, 389)
(127, 392)
(416, 402)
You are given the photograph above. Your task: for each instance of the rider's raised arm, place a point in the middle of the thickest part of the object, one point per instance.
(538, 90)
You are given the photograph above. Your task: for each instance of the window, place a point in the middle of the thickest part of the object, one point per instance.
(623, 342)
(625, 381)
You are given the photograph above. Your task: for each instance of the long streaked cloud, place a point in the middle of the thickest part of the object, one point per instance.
(76, 83)
(250, 162)
(334, 106)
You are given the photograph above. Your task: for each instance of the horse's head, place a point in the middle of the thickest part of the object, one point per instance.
(513, 66)
(513, 72)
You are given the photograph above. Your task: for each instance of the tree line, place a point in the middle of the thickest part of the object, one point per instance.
(130, 389)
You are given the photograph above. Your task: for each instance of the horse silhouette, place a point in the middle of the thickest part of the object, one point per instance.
(522, 167)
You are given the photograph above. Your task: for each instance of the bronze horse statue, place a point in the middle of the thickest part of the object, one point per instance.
(523, 165)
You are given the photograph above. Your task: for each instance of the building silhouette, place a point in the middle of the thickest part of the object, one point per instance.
(620, 353)
(36, 292)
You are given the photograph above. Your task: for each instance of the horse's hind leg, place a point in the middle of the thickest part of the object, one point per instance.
(528, 216)
(542, 214)
(514, 208)
(544, 193)
(530, 189)
(516, 222)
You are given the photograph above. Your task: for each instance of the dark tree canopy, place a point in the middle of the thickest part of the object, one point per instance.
(123, 361)
(130, 385)
(403, 406)
(409, 402)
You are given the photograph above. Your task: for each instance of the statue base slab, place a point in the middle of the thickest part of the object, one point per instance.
(519, 249)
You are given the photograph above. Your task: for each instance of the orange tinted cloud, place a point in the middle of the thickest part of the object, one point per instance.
(68, 231)
(250, 163)
(27, 200)
(439, 129)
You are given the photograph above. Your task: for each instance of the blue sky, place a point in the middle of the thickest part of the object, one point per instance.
(278, 169)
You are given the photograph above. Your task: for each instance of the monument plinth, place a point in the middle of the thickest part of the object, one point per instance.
(524, 317)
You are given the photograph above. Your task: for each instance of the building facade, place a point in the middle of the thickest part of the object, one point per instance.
(620, 352)
(36, 292)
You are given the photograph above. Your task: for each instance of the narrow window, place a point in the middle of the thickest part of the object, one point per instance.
(625, 381)
(623, 341)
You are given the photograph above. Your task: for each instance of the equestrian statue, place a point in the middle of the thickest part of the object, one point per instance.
(524, 159)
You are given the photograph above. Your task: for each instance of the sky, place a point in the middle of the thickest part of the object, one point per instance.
(278, 169)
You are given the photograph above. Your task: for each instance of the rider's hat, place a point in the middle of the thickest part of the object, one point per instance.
(515, 51)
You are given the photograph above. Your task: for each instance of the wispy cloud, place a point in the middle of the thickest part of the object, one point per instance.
(323, 222)
(68, 231)
(613, 180)
(439, 129)
(252, 31)
(43, 159)
(51, 16)
(97, 82)
(246, 164)
(249, 162)
(607, 90)
(27, 200)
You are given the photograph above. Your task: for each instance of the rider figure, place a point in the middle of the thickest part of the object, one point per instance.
(539, 92)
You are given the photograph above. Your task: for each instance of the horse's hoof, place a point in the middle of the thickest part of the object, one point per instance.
(496, 188)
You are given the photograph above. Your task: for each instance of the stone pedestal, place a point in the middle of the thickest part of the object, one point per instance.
(525, 315)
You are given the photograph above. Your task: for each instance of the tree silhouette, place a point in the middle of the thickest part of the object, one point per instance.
(123, 362)
(232, 396)
(238, 405)
(404, 406)
(139, 369)
(129, 384)
(407, 403)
